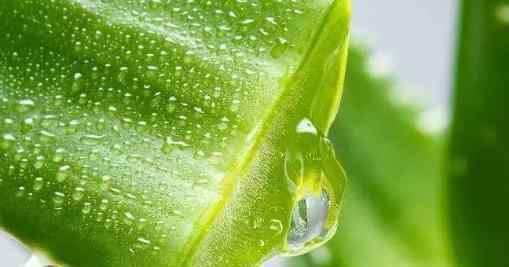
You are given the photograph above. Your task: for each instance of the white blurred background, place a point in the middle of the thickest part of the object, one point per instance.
(411, 40)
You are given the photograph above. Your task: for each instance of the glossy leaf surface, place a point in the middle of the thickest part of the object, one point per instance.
(168, 133)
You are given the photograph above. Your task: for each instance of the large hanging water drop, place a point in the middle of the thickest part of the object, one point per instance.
(308, 220)
(317, 181)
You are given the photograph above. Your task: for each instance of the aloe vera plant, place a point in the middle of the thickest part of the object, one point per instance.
(170, 133)
(478, 166)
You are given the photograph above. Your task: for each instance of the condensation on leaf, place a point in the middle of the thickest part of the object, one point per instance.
(121, 120)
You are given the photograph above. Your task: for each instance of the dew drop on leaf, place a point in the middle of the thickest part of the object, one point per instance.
(38, 184)
(310, 167)
(276, 226)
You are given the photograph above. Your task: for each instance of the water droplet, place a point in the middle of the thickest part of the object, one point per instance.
(144, 241)
(77, 82)
(87, 207)
(39, 162)
(104, 204)
(279, 48)
(38, 184)
(122, 74)
(276, 226)
(129, 218)
(101, 124)
(99, 217)
(58, 199)
(317, 180)
(25, 105)
(27, 124)
(8, 141)
(105, 182)
(170, 144)
(91, 139)
(306, 126)
(59, 155)
(309, 217)
(63, 173)
(21, 191)
(78, 194)
(247, 21)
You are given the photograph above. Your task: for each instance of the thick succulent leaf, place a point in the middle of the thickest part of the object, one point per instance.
(392, 214)
(478, 166)
(163, 133)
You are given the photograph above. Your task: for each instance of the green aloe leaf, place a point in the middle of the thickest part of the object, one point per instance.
(478, 166)
(170, 133)
(392, 213)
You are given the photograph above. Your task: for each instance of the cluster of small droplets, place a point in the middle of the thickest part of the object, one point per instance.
(175, 45)
(94, 154)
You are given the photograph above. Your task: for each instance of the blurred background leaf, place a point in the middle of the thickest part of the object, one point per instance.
(478, 167)
(393, 213)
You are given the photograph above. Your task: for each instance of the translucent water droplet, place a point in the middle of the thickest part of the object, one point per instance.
(38, 184)
(129, 218)
(91, 139)
(39, 162)
(63, 173)
(47, 137)
(122, 74)
(104, 205)
(105, 182)
(276, 226)
(58, 199)
(170, 144)
(142, 244)
(78, 194)
(87, 207)
(144, 241)
(308, 221)
(25, 105)
(99, 217)
(59, 155)
(27, 124)
(317, 181)
(77, 82)
(21, 191)
(8, 141)
(306, 126)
